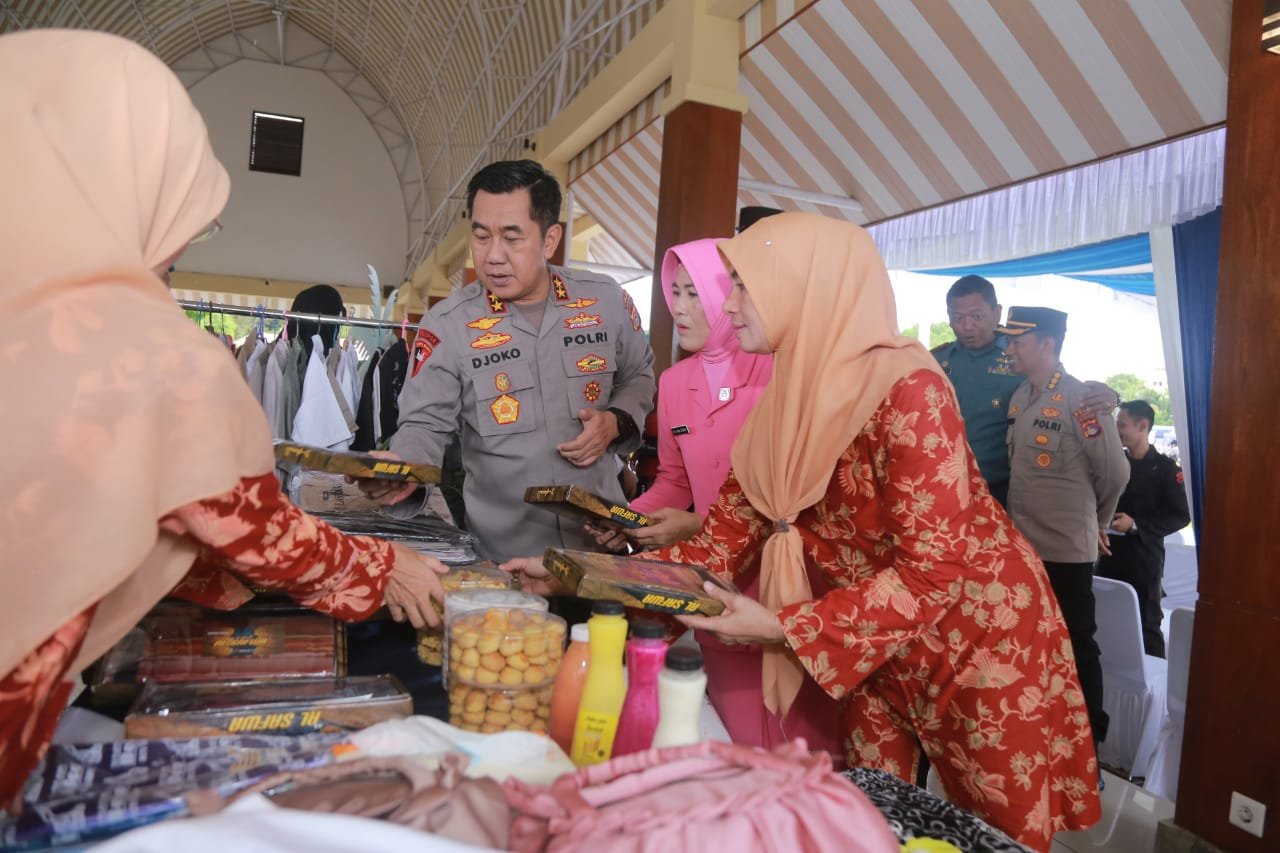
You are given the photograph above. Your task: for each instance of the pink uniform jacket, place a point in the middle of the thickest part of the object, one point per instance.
(697, 425)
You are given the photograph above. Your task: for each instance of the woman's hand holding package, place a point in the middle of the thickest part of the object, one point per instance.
(414, 582)
(613, 541)
(533, 576)
(744, 620)
(674, 525)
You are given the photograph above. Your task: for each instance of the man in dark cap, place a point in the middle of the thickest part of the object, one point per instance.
(1067, 472)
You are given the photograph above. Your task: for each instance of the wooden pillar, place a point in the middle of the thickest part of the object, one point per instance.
(1232, 741)
(697, 196)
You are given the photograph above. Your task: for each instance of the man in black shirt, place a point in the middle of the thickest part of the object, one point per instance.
(1153, 505)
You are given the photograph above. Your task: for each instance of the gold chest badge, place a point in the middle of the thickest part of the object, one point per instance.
(591, 364)
(505, 410)
(489, 340)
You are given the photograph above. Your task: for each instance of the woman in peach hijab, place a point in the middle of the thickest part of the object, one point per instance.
(138, 459)
(941, 630)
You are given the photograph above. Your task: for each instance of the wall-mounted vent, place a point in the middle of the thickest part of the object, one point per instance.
(275, 144)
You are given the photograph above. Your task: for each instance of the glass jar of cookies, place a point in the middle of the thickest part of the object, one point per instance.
(479, 575)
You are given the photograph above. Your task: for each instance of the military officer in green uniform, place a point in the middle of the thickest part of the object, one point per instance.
(976, 364)
(979, 369)
(547, 371)
(1068, 470)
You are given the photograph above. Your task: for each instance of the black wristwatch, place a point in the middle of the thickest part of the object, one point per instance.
(626, 426)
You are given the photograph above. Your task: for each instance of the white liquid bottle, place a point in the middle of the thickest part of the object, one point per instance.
(682, 688)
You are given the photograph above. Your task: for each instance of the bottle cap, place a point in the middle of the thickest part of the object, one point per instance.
(684, 659)
(648, 629)
(579, 633)
(604, 607)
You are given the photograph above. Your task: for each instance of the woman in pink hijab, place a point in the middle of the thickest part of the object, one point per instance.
(702, 403)
(139, 463)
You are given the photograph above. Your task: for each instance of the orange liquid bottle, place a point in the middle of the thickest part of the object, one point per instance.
(566, 694)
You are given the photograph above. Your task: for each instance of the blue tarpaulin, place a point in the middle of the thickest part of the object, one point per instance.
(1085, 263)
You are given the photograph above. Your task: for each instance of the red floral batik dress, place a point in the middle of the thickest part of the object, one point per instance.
(940, 629)
(250, 534)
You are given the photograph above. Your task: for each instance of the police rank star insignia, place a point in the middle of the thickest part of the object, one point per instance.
(582, 320)
(557, 285)
(591, 392)
(496, 305)
(489, 340)
(505, 410)
(502, 382)
(484, 324)
(591, 364)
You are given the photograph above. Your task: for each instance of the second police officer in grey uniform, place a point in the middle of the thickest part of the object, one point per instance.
(548, 372)
(1068, 470)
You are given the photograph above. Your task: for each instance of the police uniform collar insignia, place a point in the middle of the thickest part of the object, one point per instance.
(557, 286)
(1053, 383)
(496, 305)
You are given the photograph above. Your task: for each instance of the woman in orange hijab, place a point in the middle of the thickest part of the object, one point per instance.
(138, 459)
(939, 628)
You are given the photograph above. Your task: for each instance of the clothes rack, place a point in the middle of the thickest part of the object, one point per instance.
(277, 314)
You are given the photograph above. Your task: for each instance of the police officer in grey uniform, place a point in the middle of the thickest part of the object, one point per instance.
(978, 368)
(548, 372)
(1068, 470)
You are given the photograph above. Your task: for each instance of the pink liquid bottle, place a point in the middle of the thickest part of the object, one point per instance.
(646, 651)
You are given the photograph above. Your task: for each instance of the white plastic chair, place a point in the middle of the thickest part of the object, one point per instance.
(1133, 683)
(1162, 776)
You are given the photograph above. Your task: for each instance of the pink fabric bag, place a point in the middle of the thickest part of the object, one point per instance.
(698, 797)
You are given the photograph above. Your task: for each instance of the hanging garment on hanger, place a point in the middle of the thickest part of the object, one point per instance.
(320, 420)
(245, 353)
(349, 377)
(391, 374)
(295, 366)
(366, 433)
(272, 382)
(258, 369)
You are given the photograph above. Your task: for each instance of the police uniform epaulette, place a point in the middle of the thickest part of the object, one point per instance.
(459, 297)
(585, 277)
